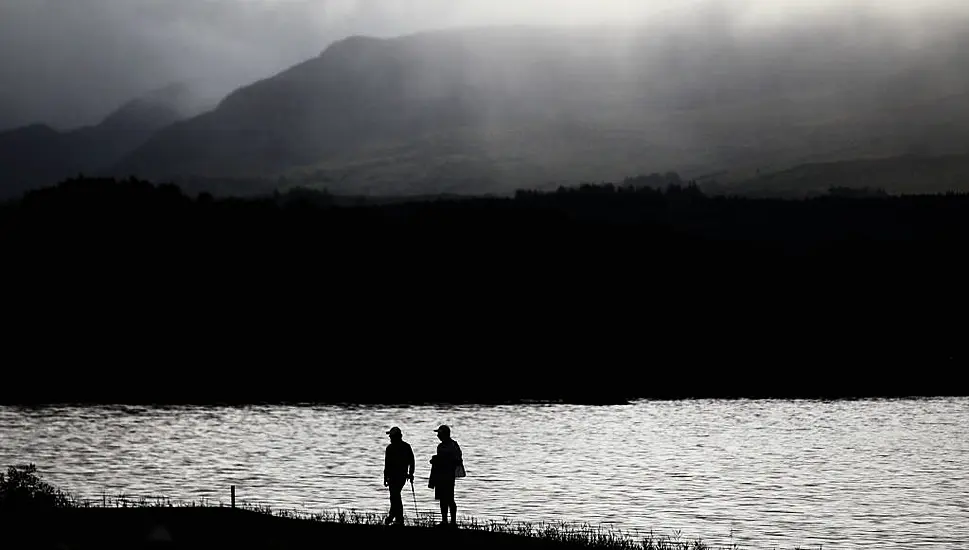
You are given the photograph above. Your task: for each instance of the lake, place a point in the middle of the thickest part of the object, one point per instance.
(762, 474)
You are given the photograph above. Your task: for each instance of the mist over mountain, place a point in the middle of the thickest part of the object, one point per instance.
(491, 109)
(380, 101)
(69, 64)
(532, 94)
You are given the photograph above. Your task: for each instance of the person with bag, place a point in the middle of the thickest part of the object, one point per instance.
(446, 466)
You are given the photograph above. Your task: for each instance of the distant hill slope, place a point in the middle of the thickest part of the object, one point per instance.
(489, 110)
(909, 174)
(38, 155)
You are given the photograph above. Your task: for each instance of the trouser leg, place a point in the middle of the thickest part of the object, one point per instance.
(396, 503)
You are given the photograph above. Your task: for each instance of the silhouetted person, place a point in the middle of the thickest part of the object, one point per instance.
(446, 466)
(398, 468)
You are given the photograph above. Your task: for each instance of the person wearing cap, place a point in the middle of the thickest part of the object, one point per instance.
(398, 468)
(446, 466)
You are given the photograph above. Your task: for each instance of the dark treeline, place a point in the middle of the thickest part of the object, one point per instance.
(124, 290)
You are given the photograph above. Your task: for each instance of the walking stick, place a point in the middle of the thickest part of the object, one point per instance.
(415, 497)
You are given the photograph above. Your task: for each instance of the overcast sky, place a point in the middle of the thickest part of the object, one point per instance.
(70, 62)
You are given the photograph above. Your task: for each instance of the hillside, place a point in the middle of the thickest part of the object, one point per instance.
(494, 109)
(37, 155)
(908, 174)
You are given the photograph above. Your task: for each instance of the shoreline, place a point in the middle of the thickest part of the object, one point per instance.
(954, 392)
(99, 528)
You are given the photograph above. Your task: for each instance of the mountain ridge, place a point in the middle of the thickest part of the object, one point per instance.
(490, 109)
(36, 155)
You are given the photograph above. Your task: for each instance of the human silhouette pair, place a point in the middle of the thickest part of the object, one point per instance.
(447, 465)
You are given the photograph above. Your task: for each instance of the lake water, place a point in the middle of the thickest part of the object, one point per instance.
(762, 474)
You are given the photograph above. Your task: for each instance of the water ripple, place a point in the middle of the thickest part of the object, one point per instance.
(842, 474)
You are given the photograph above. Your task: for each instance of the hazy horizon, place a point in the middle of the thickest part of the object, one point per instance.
(71, 65)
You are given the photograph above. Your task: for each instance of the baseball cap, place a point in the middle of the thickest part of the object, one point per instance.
(443, 428)
(394, 431)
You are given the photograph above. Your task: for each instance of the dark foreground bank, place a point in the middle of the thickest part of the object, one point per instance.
(130, 292)
(211, 528)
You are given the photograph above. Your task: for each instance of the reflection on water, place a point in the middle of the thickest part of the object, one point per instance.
(851, 474)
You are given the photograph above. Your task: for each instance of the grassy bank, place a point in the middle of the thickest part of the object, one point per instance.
(224, 527)
(37, 515)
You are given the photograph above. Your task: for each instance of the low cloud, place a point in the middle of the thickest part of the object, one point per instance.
(70, 62)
